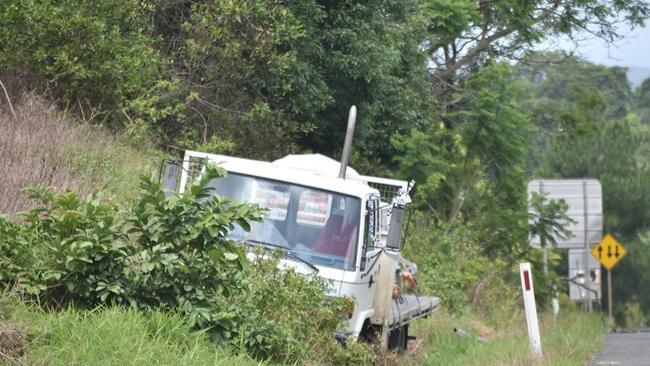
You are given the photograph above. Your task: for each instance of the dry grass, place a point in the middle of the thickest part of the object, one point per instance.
(42, 145)
(11, 342)
(30, 151)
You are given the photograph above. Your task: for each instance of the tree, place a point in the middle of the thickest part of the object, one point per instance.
(642, 101)
(274, 77)
(468, 33)
(631, 275)
(609, 155)
(570, 82)
(94, 57)
(547, 221)
(476, 171)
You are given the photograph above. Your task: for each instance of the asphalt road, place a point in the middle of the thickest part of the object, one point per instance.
(625, 348)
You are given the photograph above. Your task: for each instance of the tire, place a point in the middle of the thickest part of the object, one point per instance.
(398, 339)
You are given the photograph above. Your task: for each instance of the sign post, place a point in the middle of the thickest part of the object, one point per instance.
(578, 286)
(531, 308)
(609, 252)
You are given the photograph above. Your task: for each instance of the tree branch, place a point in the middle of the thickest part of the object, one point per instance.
(11, 107)
(482, 45)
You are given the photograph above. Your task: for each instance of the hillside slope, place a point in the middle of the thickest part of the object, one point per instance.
(43, 146)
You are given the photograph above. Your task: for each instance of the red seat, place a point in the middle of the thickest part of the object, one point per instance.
(334, 239)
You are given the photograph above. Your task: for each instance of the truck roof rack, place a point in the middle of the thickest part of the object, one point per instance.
(388, 188)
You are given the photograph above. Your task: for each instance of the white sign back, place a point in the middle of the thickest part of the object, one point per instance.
(584, 198)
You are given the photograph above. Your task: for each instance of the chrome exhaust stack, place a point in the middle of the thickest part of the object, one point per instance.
(347, 146)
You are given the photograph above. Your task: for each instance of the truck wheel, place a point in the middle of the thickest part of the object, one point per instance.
(398, 339)
(369, 332)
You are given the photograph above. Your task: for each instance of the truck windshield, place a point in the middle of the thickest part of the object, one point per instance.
(319, 226)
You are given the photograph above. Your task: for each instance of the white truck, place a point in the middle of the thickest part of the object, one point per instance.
(329, 221)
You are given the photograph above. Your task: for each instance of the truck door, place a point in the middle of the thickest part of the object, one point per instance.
(370, 253)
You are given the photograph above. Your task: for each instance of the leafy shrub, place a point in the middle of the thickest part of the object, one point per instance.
(71, 250)
(14, 252)
(96, 54)
(451, 266)
(184, 256)
(186, 262)
(285, 316)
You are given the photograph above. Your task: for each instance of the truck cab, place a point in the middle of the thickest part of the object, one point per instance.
(331, 227)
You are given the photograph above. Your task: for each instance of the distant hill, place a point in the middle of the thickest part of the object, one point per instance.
(636, 75)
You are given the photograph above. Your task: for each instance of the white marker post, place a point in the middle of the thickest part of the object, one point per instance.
(531, 308)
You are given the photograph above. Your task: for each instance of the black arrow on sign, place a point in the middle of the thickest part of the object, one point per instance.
(609, 251)
(616, 254)
(600, 252)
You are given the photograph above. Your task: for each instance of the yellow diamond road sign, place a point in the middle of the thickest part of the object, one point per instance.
(608, 252)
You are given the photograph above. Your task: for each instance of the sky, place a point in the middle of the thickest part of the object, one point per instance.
(632, 51)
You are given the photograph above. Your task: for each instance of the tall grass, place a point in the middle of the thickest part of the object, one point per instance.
(572, 340)
(113, 336)
(42, 146)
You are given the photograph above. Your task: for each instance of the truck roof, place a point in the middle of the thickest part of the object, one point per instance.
(312, 170)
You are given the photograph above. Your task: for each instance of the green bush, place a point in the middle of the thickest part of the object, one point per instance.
(184, 258)
(67, 249)
(285, 316)
(97, 55)
(452, 266)
(15, 253)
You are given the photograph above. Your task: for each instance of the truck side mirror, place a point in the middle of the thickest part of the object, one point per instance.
(171, 177)
(395, 229)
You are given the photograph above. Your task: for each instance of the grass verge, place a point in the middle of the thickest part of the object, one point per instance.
(571, 340)
(109, 336)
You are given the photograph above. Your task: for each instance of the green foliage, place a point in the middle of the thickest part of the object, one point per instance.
(267, 77)
(369, 54)
(284, 316)
(490, 182)
(112, 336)
(628, 276)
(490, 123)
(77, 249)
(572, 84)
(293, 69)
(451, 266)
(583, 118)
(548, 219)
(421, 158)
(449, 19)
(233, 64)
(96, 55)
(184, 257)
(474, 170)
(15, 253)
